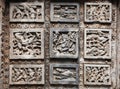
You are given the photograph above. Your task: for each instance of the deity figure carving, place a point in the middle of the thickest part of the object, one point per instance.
(98, 12)
(64, 43)
(27, 12)
(96, 74)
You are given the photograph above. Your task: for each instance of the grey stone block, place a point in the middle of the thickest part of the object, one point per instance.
(64, 43)
(64, 12)
(64, 74)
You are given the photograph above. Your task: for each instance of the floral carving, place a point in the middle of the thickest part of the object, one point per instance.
(26, 74)
(65, 12)
(64, 43)
(98, 12)
(98, 43)
(27, 12)
(27, 43)
(97, 74)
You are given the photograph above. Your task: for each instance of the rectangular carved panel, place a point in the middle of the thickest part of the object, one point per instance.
(97, 74)
(26, 74)
(65, 12)
(27, 43)
(64, 43)
(98, 12)
(27, 12)
(97, 43)
(64, 74)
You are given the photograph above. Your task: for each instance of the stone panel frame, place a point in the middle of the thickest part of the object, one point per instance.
(41, 56)
(27, 66)
(98, 56)
(98, 4)
(100, 66)
(69, 66)
(63, 30)
(64, 20)
(41, 4)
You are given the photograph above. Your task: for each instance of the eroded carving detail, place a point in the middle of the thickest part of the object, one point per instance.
(64, 43)
(97, 43)
(27, 43)
(65, 12)
(98, 12)
(27, 74)
(27, 12)
(96, 74)
(63, 74)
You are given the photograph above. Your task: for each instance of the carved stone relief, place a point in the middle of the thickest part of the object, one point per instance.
(64, 43)
(64, 12)
(27, 43)
(97, 43)
(64, 74)
(27, 12)
(26, 74)
(97, 74)
(98, 12)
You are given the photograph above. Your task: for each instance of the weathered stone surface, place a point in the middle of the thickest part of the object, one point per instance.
(64, 43)
(64, 12)
(97, 43)
(27, 12)
(98, 12)
(64, 74)
(26, 74)
(27, 43)
(97, 74)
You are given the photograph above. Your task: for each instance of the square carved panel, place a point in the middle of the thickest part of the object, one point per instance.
(97, 74)
(64, 74)
(27, 43)
(97, 43)
(27, 12)
(64, 12)
(64, 42)
(98, 12)
(26, 74)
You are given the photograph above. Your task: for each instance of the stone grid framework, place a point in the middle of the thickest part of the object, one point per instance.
(6, 26)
